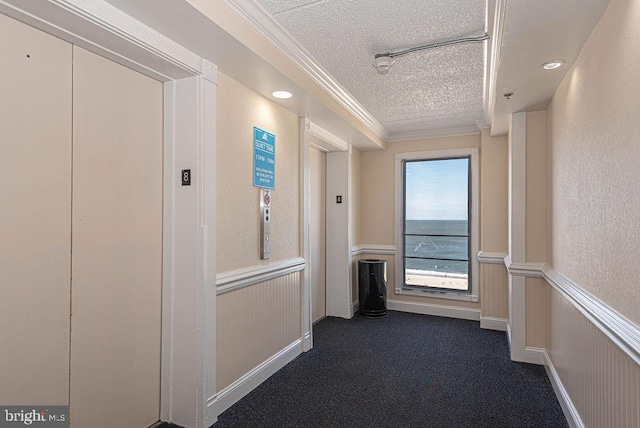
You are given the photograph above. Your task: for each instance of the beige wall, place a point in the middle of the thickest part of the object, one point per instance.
(494, 209)
(355, 218)
(536, 187)
(377, 175)
(356, 191)
(255, 322)
(239, 109)
(535, 225)
(494, 183)
(594, 147)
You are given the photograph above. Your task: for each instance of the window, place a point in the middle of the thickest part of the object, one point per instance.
(436, 226)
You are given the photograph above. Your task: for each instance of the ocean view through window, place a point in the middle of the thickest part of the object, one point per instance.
(436, 224)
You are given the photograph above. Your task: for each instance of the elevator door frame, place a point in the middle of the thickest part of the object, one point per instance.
(189, 259)
(338, 227)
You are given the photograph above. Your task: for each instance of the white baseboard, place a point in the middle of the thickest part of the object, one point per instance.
(533, 355)
(307, 344)
(354, 308)
(247, 383)
(569, 410)
(493, 323)
(432, 309)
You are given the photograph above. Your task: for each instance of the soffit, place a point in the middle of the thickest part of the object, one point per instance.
(532, 34)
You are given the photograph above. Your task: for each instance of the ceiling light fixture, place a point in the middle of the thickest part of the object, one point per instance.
(283, 95)
(551, 65)
(383, 61)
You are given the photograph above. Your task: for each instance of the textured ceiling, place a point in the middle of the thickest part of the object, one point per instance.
(424, 91)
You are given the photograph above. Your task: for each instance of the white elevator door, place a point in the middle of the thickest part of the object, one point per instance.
(317, 234)
(117, 244)
(35, 215)
(81, 231)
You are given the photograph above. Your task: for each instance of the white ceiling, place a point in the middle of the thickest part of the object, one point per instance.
(436, 89)
(430, 93)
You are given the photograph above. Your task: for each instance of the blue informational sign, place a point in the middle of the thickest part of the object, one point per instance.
(264, 159)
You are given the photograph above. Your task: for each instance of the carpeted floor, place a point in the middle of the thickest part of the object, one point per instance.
(405, 370)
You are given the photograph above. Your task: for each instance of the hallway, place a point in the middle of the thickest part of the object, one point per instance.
(138, 140)
(405, 370)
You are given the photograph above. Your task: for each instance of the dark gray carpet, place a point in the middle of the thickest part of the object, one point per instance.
(405, 370)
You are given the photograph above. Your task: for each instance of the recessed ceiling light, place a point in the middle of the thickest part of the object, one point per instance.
(550, 65)
(283, 95)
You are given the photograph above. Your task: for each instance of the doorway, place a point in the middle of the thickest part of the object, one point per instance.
(327, 234)
(317, 233)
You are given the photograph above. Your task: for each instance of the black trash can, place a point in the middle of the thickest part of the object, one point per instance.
(372, 288)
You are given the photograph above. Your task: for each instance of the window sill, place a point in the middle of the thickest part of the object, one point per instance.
(438, 294)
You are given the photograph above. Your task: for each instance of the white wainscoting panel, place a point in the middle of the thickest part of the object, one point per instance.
(536, 311)
(234, 280)
(254, 324)
(600, 380)
(252, 379)
(494, 289)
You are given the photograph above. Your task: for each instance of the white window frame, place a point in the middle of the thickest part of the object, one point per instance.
(401, 158)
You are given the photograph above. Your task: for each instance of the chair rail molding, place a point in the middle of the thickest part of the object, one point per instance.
(237, 279)
(624, 333)
(621, 331)
(374, 249)
(491, 258)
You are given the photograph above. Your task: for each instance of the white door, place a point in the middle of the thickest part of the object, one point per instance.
(117, 244)
(35, 215)
(81, 231)
(317, 234)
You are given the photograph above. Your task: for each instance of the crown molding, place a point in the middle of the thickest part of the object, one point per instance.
(494, 52)
(482, 124)
(433, 133)
(104, 29)
(266, 26)
(113, 20)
